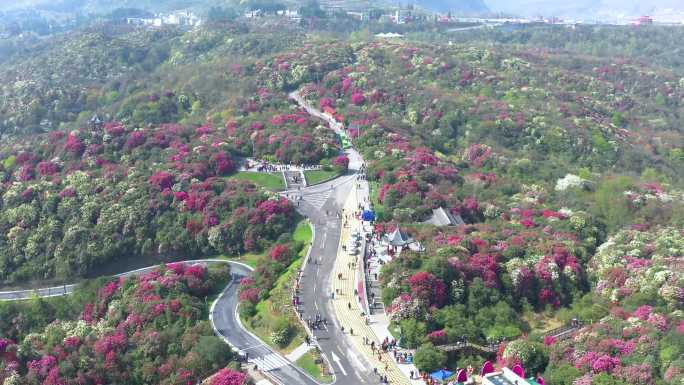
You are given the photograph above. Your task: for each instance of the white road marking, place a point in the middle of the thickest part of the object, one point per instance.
(355, 359)
(337, 360)
(270, 362)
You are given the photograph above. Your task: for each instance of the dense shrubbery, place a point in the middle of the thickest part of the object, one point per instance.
(494, 136)
(635, 347)
(139, 330)
(72, 202)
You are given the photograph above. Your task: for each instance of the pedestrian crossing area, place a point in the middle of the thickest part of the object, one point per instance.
(317, 199)
(270, 362)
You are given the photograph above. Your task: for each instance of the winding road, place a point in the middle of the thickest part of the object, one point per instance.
(226, 322)
(223, 316)
(320, 203)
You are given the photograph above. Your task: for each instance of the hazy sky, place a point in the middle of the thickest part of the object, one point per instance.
(587, 8)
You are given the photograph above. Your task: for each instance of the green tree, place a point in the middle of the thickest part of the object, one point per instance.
(457, 322)
(532, 355)
(428, 358)
(413, 332)
(609, 201)
(212, 353)
(481, 296)
(617, 119)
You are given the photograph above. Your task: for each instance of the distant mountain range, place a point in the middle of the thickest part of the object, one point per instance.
(591, 9)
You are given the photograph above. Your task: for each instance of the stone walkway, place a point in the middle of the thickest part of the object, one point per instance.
(298, 352)
(350, 316)
(294, 179)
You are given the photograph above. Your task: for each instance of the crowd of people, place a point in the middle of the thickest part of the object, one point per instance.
(263, 166)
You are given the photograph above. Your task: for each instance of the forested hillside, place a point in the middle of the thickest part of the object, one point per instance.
(561, 150)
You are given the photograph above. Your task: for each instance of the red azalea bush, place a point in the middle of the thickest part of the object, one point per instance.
(74, 145)
(341, 162)
(135, 139)
(282, 253)
(438, 337)
(162, 180)
(428, 288)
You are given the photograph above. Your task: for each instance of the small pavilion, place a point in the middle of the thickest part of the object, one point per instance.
(398, 238)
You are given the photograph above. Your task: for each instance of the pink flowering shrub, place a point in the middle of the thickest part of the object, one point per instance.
(477, 154)
(135, 139)
(143, 318)
(222, 164)
(25, 173)
(617, 345)
(326, 102)
(358, 99)
(249, 295)
(47, 168)
(74, 145)
(438, 337)
(228, 377)
(341, 162)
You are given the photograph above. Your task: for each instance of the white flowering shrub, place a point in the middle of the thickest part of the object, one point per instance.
(569, 181)
(651, 261)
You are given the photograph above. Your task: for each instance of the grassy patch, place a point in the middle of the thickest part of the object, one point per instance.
(319, 176)
(317, 371)
(303, 232)
(271, 181)
(275, 308)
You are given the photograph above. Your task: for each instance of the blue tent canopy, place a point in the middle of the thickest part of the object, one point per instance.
(368, 215)
(441, 374)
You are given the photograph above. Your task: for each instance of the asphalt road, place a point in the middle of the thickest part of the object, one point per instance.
(227, 324)
(349, 367)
